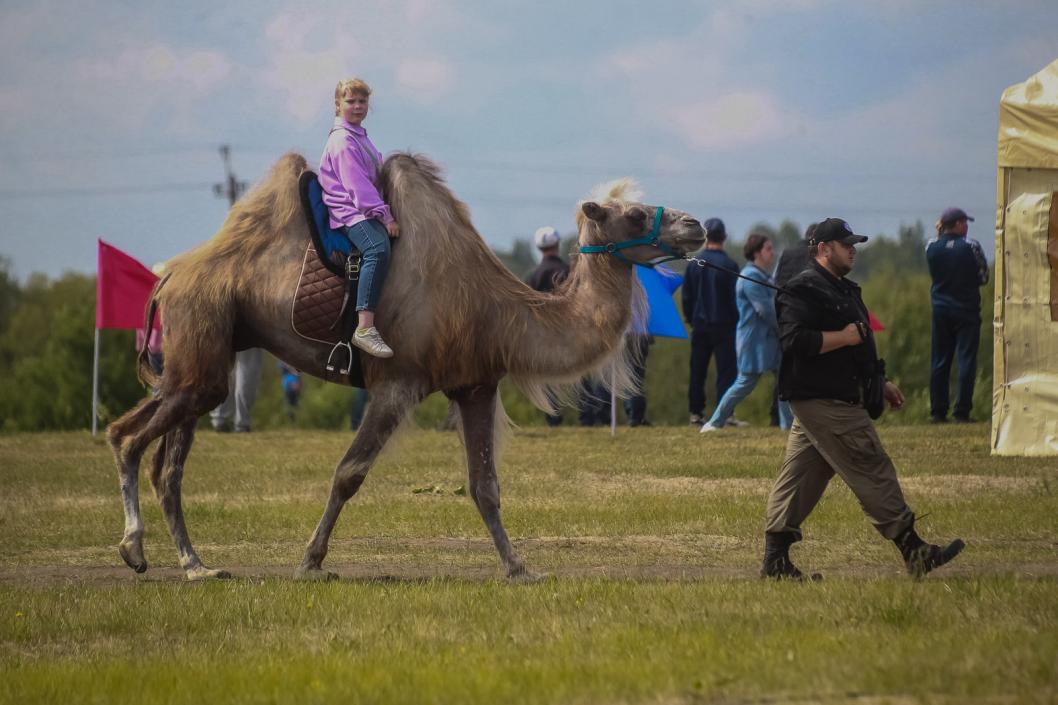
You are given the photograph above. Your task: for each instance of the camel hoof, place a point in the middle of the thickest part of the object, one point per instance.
(204, 573)
(132, 553)
(314, 575)
(528, 577)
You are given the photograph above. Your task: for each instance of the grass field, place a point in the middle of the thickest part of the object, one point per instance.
(653, 540)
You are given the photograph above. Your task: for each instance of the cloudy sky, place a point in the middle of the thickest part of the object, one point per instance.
(111, 113)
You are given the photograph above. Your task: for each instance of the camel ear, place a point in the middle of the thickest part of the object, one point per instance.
(594, 211)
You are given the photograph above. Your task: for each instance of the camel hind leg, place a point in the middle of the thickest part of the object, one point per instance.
(387, 409)
(477, 407)
(128, 462)
(129, 437)
(167, 476)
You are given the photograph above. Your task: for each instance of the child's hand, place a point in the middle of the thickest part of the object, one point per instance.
(393, 229)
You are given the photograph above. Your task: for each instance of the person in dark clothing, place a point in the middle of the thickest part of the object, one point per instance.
(710, 310)
(792, 261)
(595, 408)
(551, 272)
(636, 406)
(828, 352)
(958, 268)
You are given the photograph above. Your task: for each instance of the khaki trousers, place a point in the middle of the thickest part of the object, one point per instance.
(830, 436)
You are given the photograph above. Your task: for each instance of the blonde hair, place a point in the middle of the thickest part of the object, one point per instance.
(349, 85)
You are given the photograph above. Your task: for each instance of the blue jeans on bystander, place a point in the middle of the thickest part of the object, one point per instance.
(742, 388)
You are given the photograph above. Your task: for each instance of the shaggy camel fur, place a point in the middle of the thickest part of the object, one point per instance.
(456, 317)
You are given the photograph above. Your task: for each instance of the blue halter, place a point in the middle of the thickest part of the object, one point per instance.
(651, 239)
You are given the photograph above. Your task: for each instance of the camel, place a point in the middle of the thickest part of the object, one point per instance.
(458, 320)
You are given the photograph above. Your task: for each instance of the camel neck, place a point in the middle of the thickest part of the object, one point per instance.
(580, 324)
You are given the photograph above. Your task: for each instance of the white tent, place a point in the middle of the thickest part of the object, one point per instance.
(1025, 379)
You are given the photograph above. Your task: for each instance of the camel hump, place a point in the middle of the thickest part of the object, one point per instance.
(400, 166)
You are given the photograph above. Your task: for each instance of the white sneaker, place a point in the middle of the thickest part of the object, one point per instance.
(370, 341)
(736, 423)
(707, 427)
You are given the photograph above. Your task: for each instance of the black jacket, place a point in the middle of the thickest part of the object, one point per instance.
(815, 301)
(708, 295)
(551, 272)
(958, 268)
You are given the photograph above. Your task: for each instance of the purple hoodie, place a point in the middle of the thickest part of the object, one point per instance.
(349, 171)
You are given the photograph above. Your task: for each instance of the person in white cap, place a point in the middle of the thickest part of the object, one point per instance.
(551, 271)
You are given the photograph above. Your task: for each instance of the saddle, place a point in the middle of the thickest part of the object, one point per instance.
(323, 309)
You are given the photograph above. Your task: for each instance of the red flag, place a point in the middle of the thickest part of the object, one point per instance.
(123, 286)
(875, 324)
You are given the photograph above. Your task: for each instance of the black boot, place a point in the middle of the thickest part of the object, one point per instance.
(921, 557)
(777, 563)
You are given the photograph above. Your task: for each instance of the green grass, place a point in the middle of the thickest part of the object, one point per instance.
(653, 539)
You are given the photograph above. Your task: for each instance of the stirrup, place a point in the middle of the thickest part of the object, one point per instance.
(341, 344)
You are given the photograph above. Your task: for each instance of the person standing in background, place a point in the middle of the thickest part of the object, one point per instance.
(636, 405)
(242, 393)
(551, 272)
(291, 381)
(792, 261)
(958, 268)
(709, 309)
(757, 333)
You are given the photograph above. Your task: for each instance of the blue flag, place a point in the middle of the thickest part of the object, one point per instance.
(659, 284)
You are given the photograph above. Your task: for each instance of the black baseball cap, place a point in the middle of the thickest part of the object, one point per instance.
(715, 230)
(953, 215)
(835, 229)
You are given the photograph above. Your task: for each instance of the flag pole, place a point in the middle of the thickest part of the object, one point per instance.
(613, 400)
(95, 386)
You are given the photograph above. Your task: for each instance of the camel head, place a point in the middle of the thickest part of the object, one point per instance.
(614, 221)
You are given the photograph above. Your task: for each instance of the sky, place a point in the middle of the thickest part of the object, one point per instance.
(883, 113)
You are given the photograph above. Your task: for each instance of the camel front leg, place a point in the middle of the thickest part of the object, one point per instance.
(385, 412)
(477, 407)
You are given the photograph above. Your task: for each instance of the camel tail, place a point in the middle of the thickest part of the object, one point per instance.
(144, 373)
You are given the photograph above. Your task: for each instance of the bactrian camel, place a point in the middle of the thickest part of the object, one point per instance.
(458, 320)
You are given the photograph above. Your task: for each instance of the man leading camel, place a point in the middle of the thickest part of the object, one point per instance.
(828, 349)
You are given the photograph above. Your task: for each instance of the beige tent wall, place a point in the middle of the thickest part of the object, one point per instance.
(1025, 391)
(1025, 378)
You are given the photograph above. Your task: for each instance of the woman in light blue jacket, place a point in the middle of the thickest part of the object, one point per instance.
(757, 337)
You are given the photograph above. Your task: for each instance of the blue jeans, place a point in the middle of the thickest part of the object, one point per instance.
(955, 335)
(743, 386)
(371, 238)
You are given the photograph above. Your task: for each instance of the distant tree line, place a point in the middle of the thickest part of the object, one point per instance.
(47, 326)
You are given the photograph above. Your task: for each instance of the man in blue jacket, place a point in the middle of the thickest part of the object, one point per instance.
(958, 268)
(710, 310)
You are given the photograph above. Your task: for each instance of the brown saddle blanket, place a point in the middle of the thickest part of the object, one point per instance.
(317, 301)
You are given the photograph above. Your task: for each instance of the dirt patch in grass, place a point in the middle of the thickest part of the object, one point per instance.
(621, 485)
(961, 485)
(402, 560)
